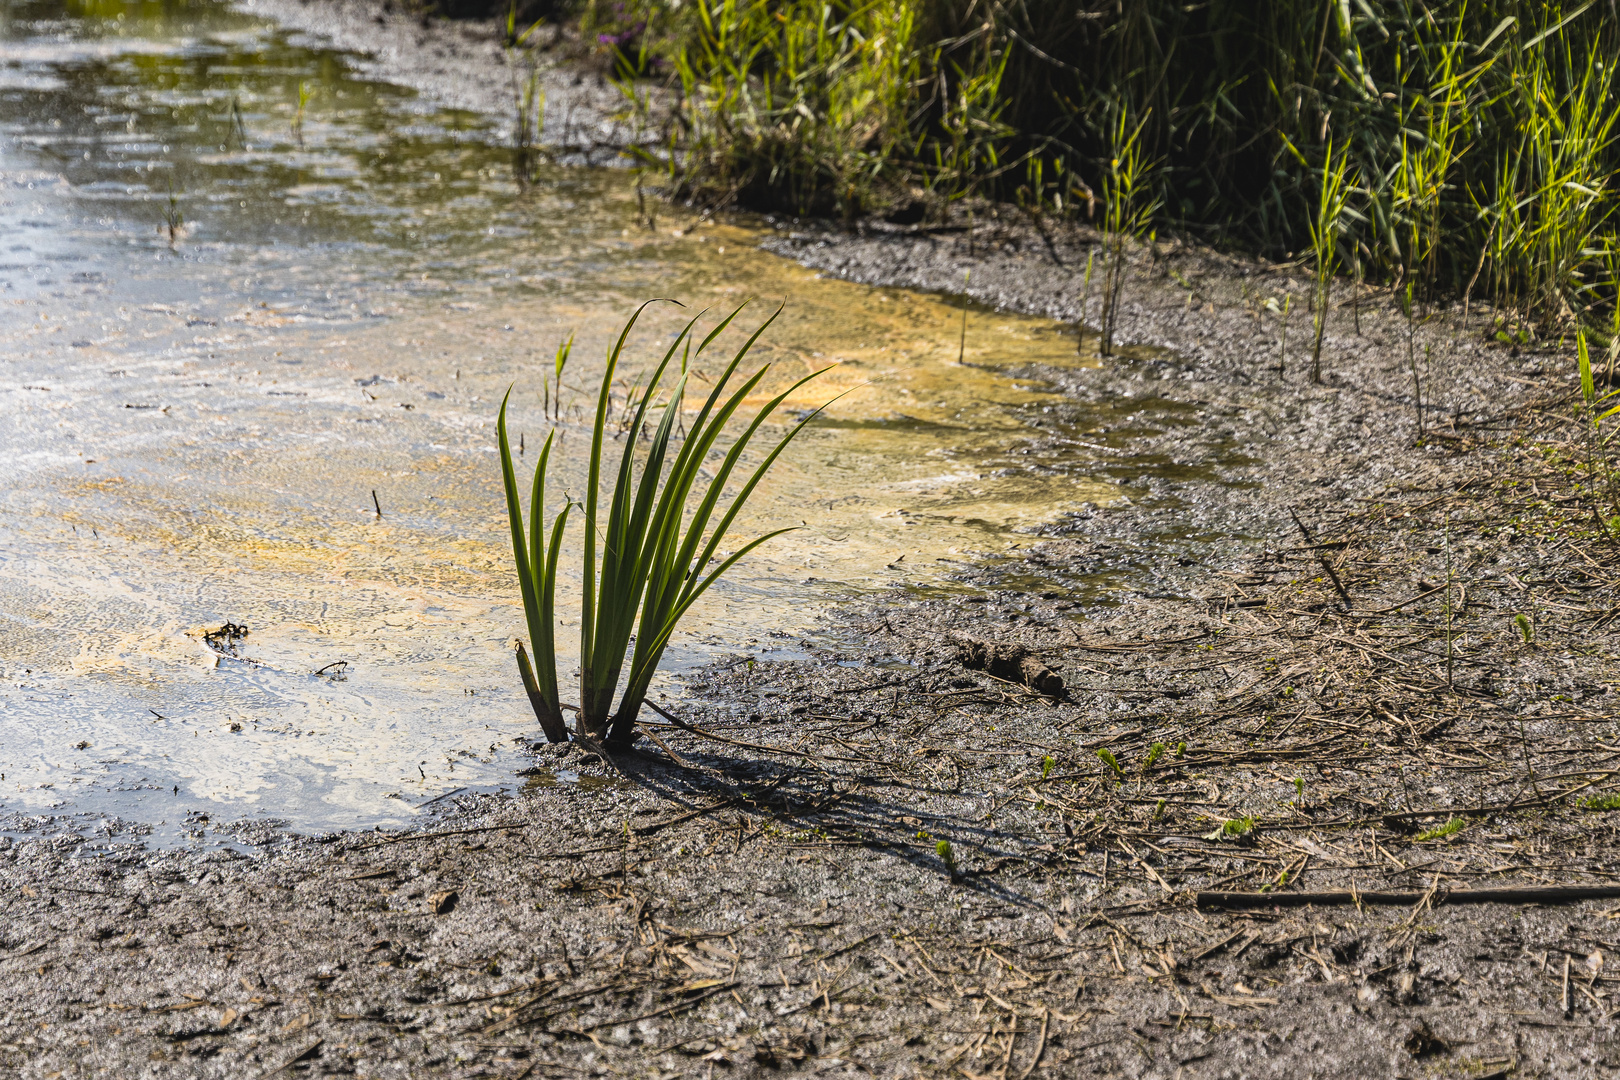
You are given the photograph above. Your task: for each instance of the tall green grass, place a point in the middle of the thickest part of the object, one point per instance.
(797, 106)
(1559, 181)
(1478, 135)
(1325, 233)
(1126, 214)
(528, 98)
(654, 549)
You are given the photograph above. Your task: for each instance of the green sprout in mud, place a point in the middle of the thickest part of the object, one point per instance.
(1106, 756)
(1181, 750)
(1282, 879)
(947, 855)
(1450, 828)
(1526, 630)
(1155, 752)
(1158, 810)
(1234, 829)
(1047, 763)
(1601, 802)
(551, 401)
(1518, 337)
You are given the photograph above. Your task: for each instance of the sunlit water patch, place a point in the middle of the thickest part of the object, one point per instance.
(231, 339)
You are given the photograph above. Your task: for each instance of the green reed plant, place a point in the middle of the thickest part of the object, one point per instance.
(1567, 138)
(646, 556)
(537, 562)
(1611, 261)
(1282, 311)
(1085, 296)
(1406, 300)
(514, 39)
(1503, 212)
(1127, 209)
(298, 113)
(528, 122)
(968, 148)
(528, 97)
(1434, 114)
(961, 343)
(1325, 229)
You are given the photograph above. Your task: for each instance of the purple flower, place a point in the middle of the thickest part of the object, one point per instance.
(622, 39)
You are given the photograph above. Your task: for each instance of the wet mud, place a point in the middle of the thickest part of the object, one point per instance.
(1291, 660)
(464, 64)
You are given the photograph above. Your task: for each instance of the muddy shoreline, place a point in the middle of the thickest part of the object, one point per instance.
(1326, 697)
(463, 64)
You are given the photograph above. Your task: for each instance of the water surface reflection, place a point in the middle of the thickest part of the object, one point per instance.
(222, 335)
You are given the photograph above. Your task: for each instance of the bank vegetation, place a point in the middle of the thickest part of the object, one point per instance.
(1456, 148)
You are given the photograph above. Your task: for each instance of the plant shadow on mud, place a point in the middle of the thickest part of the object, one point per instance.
(804, 801)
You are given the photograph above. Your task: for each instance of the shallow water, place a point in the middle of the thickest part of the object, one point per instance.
(222, 336)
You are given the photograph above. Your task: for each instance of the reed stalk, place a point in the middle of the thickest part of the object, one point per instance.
(1127, 210)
